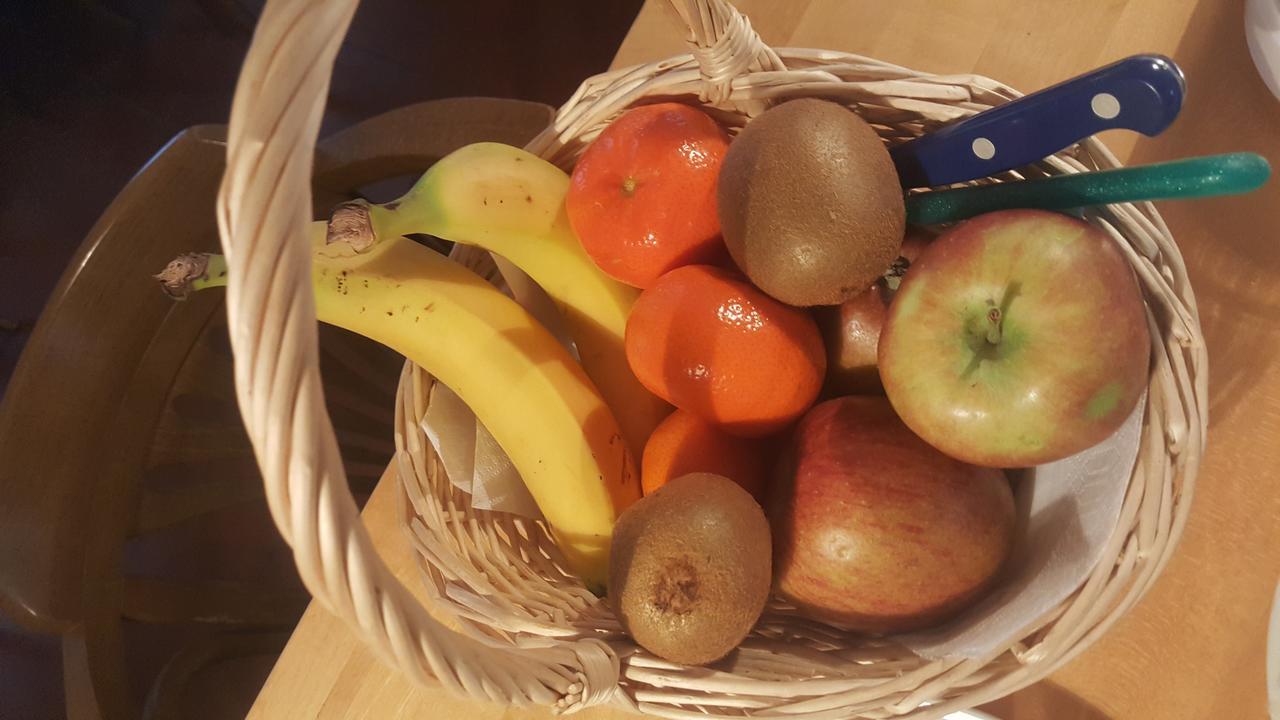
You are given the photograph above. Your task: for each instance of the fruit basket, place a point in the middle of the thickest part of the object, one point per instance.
(531, 633)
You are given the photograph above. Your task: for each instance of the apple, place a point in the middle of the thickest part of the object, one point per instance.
(851, 330)
(1018, 338)
(851, 333)
(875, 530)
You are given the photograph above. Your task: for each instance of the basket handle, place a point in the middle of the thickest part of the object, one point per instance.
(264, 204)
(724, 45)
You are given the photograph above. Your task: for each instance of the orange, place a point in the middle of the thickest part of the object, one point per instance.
(643, 196)
(684, 443)
(709, 342)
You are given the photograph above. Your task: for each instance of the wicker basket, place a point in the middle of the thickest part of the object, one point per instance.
(532, 634)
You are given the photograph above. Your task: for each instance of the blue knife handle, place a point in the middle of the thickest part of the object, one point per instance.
(1141, 93)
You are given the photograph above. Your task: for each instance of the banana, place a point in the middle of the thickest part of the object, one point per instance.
(511, 202)
(521, 383)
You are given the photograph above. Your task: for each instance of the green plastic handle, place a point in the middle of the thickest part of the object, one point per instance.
(1229, 174)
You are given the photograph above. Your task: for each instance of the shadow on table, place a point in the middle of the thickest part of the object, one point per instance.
(1229, 243)
(1044, 701)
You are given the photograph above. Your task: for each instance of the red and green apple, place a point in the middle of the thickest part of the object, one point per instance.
(1018, 338)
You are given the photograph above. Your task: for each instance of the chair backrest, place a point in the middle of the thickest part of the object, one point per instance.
(78, 420)
(80, 364)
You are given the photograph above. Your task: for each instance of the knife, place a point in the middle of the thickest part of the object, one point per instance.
(1142, 93)
(1229, 174)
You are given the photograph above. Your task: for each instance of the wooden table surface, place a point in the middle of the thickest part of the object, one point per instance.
(1194, 647)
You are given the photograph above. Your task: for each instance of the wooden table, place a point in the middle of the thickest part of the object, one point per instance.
(1194, 647)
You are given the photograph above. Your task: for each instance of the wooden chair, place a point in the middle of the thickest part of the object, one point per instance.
(119, 430)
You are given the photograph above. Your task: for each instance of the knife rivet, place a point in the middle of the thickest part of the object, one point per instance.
(1105, 105)
(983, 148)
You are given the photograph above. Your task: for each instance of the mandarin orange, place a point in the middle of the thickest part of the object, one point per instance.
(643, 196)
(684, 443)
(709, 342)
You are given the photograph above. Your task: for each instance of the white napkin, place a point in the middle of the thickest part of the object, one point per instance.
(1067, 512)
(476, 464)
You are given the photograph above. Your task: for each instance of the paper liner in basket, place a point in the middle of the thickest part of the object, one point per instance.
(473, 460)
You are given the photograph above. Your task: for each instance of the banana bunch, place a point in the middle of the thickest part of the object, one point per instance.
(521, 383)
(572, 431)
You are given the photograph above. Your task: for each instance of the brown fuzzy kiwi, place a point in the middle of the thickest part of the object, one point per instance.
(810, 203)
(690, 568)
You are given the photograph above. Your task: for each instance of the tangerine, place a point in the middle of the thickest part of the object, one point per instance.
(683, 443)
(642, 198)
(707, 341)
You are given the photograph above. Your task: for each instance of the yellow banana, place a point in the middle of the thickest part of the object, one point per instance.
(522, 384)
(511, 202)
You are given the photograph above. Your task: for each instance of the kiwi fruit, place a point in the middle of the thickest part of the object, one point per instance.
(810, 204)
(690, 568)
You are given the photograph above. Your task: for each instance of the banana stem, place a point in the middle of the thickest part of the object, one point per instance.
(191, 272)
(362, 224)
